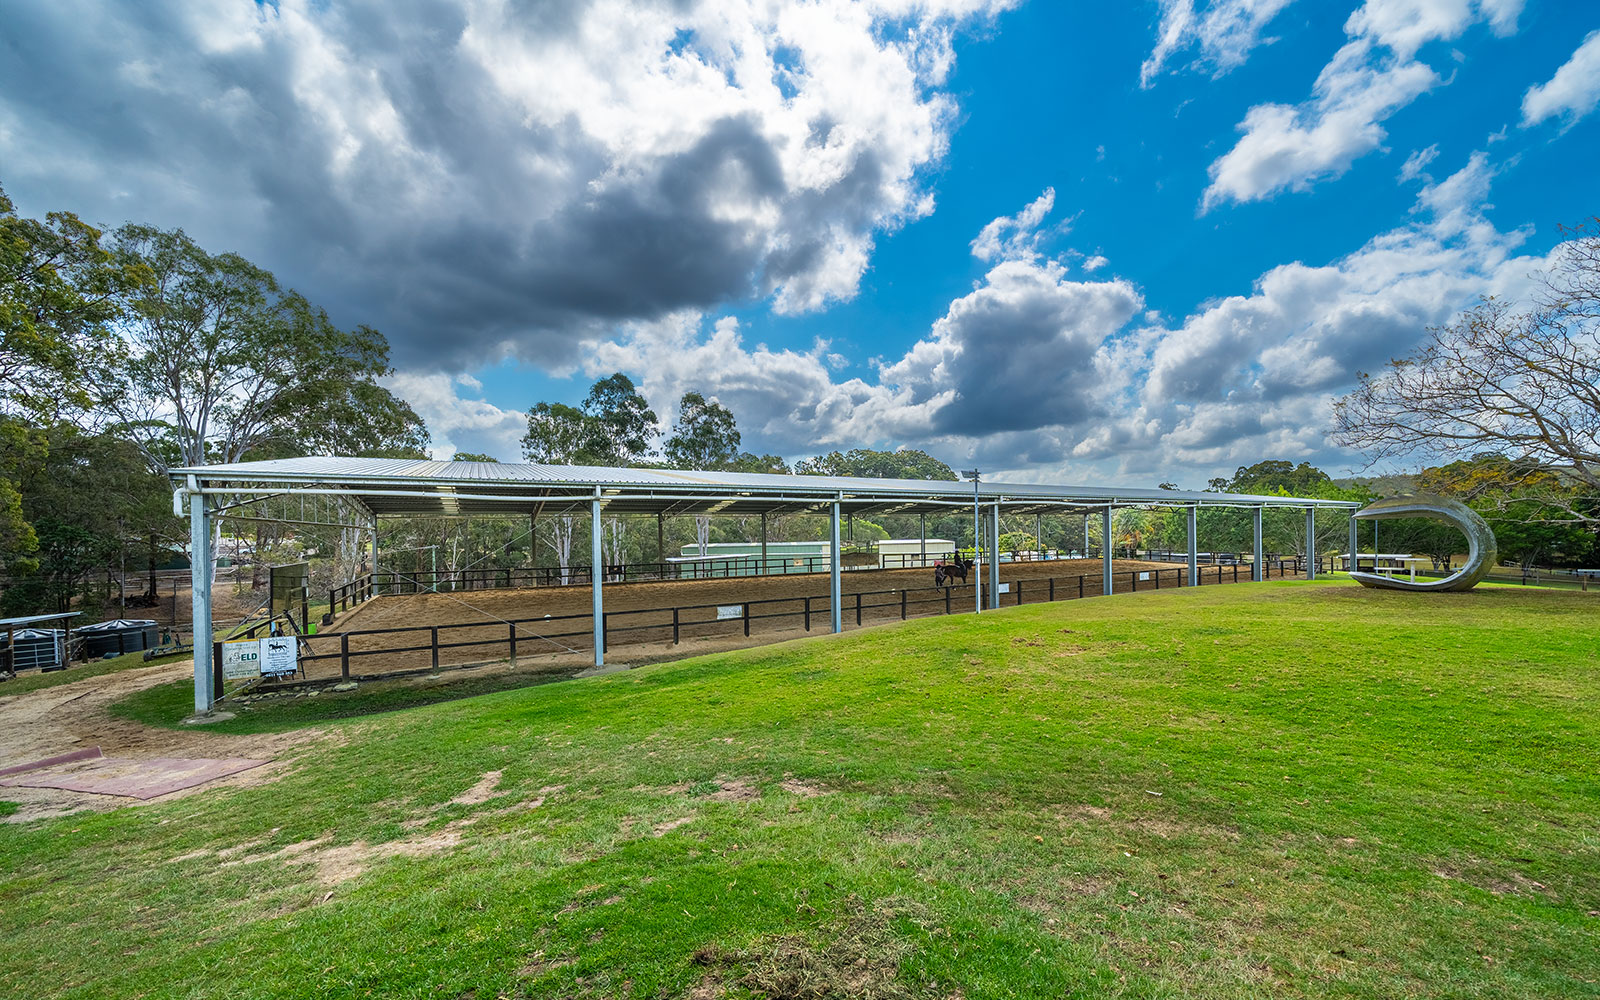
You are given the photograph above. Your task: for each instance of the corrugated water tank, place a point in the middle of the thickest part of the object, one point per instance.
(123, 635)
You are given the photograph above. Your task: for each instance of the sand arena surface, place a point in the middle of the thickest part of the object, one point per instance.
(639, 616)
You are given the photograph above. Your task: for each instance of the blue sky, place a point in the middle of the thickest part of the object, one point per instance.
(1235, 205)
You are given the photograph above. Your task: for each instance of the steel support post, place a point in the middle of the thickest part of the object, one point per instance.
(596, 574)
(1194, 546)
(661, 542)
(1350, 567)
(994, 558)
(372, 553)
(1258, 568)
(977, 544)
(1038, 534)
(764, 570)
(922, 536)
(205, 694)
(1106, 583)
(835, 591)
(1311, 543)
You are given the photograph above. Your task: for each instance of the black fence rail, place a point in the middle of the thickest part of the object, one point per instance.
(414, 648)
(348, 596)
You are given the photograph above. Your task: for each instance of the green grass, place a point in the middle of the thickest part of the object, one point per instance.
(167, 705)
(1300, 790)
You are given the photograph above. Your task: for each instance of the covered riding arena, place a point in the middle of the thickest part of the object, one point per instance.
(389, 623)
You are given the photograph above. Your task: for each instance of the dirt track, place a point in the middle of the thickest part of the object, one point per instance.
(553, 624)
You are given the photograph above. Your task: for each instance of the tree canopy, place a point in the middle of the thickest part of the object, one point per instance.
(704, 435)
(907, 463)
(220, 364)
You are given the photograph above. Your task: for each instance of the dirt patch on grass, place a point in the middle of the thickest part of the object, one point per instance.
(664, 828)
(1507, 883)
(333, 864)
(804, 789)
(734, 790)
(480, 793)
(860, 958)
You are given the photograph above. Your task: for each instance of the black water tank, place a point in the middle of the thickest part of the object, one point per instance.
(119, 636)
(37, 649)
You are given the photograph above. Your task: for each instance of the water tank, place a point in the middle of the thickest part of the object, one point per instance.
(38, 649)
(120, 636)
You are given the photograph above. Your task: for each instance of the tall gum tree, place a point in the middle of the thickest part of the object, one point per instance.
(218, 363)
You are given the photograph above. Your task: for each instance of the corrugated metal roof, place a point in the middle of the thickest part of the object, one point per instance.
(400, 486)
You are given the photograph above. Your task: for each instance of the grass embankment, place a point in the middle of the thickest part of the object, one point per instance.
(1287, 789)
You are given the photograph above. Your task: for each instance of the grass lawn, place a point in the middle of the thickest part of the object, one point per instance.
(1273, 790)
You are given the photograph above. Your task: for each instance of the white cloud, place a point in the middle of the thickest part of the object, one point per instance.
(486, 177)
(1013, 237)
(1094, 263)
(1404, 26)
(1375, 74)
(1224, 32)
(457, 424)
(1035, 375)
(1416, 164)
(1574, 91)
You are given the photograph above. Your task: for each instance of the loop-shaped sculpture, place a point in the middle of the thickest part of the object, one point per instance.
(1482, 555)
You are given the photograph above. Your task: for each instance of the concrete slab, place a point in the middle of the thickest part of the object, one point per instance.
(130, 778)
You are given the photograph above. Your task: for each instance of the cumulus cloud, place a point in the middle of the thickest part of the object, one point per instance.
(457, 423)
(1026, 349)
(1035, 375)
(1224, 32)
(1573, 92)
(1014, 237)
(1372, 76)
(483, 177)
(1259, 371)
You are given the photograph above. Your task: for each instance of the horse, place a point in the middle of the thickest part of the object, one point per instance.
(945, 572)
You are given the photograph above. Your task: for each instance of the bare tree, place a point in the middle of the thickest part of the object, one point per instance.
(1525, 384)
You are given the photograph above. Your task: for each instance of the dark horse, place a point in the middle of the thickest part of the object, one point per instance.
(946, 572)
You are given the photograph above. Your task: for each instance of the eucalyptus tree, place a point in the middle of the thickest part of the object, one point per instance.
(704, 436)
(60, 289)
(219, 363)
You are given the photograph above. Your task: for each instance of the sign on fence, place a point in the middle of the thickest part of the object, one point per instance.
(1005, 588)
(274, 656)
(1144, 576)
(726, 611)
(241, 659)
(279, 656)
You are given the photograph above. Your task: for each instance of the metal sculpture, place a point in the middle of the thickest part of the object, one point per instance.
(1482, 555)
